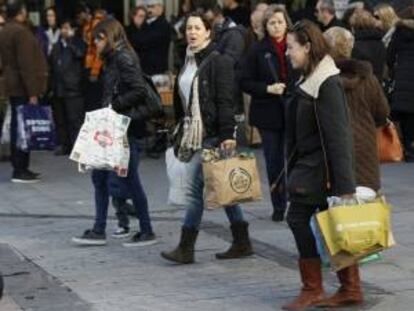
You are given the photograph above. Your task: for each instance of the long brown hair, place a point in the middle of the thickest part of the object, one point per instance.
(308, 32)
(113, 30)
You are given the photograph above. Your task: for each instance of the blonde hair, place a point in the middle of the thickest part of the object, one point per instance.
(341, 41)
(386, 14)
(362, 19)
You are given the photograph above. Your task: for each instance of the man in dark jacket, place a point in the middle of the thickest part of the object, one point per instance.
(326, 14)
(155, 39)
(67, 65)
(401, 62)
(230, 39)
(25, 75)
(239, 14)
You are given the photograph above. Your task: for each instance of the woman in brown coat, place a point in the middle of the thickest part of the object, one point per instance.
(368, 106)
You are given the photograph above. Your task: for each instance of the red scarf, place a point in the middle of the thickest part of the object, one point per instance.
(280, 48)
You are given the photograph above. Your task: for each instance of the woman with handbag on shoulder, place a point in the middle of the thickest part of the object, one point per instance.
(320, 140)
(203, 104)
(125, 90)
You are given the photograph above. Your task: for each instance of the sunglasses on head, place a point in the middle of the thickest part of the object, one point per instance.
(299, 28)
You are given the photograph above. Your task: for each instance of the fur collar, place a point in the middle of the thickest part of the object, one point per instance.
(353, 72)
(325, 69)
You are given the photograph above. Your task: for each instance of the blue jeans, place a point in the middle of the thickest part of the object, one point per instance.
(100, 180)
(195, 201)
(273, 149)
(20, 160)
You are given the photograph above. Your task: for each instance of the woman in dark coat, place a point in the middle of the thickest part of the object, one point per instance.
(125, 90)
(368, 41)
(320, 144)
(367, 104)
(48, 33)
(401, 64)
(204, 107)
(266, 75)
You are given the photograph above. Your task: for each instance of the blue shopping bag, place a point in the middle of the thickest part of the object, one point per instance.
(36, 129)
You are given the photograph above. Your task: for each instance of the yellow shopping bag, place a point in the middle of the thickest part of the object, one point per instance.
(356, 229)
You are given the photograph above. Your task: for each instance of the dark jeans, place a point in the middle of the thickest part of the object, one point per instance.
(273, 149)
(298, 219)
(68, 114)
(121, 212)
(100, 180)
(20, 160)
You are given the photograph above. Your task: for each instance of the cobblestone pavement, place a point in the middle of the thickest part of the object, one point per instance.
(45, 272)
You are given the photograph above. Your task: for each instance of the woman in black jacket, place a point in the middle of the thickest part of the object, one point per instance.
(204, 106)
(266, 75)
(368, 41)
(320, 144)
(401, 64)
(124, 90)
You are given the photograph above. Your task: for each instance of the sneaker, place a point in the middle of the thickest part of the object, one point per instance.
(141, 239)
(121, 233)
(25, 178)
(34, 174)
(90, 238)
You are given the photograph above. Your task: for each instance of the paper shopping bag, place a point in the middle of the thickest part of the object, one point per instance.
(102, 142)
(355, 229)
(231, 181)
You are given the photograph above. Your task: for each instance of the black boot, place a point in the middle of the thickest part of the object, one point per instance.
(1, 286)
(241, 246)
(184, 253)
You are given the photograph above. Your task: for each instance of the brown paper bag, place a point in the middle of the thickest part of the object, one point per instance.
(231, 181)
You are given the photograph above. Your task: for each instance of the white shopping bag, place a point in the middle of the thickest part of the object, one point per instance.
(180, 176)
(5, 131)
(102, 142)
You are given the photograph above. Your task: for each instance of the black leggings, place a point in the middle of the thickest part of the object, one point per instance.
(298, 219)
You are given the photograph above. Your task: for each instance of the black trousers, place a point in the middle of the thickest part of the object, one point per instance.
(407, 128)
(298, 219)
(20, 159)
(69, 114)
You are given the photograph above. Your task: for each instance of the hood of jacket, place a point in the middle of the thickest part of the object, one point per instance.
(405, 28)
(228, 26)
(323, 71)
(353, 72)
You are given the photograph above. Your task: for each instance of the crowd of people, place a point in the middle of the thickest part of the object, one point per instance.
(318, 91)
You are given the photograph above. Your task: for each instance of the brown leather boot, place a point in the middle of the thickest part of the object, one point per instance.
(312, 291)
(241, 246)
(184, 253)
(349, 293)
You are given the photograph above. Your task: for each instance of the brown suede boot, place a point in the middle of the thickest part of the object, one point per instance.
(241, 246)
(184, 253)
(349, 293)
(312, 291)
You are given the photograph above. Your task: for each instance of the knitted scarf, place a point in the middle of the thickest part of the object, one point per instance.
(192, 138)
